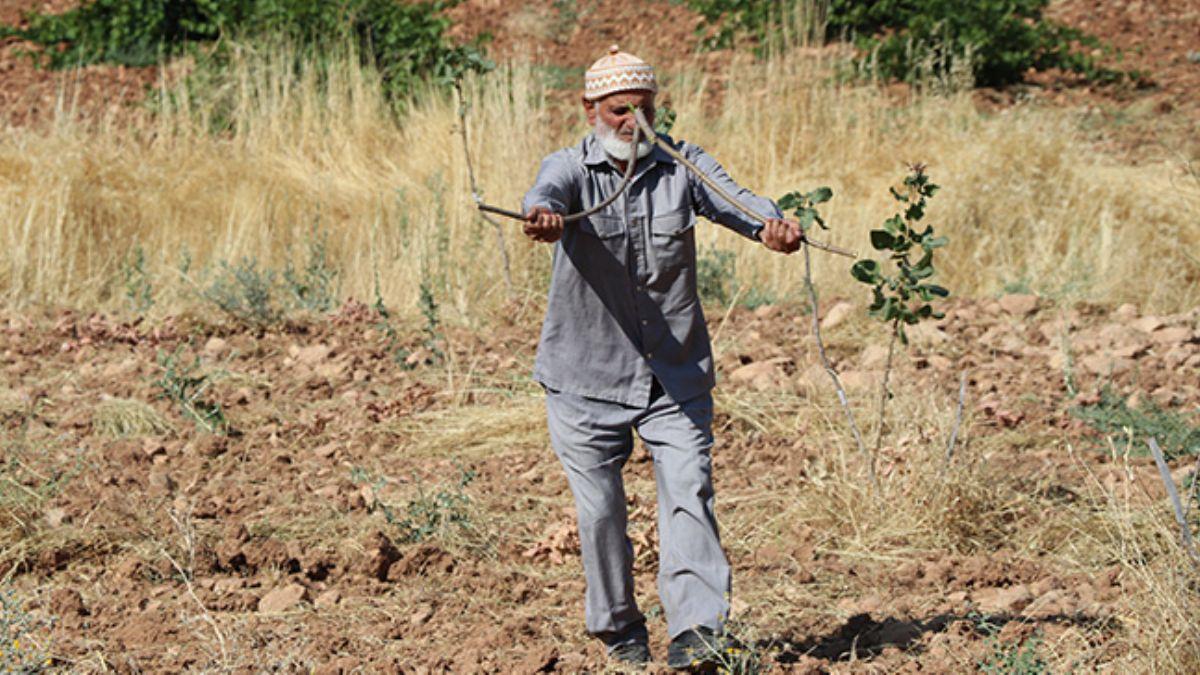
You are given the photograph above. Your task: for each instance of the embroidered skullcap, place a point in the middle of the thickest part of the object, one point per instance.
(617, 71)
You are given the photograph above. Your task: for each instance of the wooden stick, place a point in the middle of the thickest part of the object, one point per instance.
(677, 156)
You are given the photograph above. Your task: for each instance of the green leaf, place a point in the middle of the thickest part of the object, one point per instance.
(820, 220)
(923, 272)
(915, 211)
(938, 291)
(820, 195)
(936, 242)
(791, 200)
(882, 240)
(806, 217)
(894, 225)
(866, 271)
(896, 195)
(931, 189)
(877, 303)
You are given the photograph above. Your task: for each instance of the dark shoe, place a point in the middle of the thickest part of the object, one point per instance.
(631, 646)
(632, 653)
(696, 650)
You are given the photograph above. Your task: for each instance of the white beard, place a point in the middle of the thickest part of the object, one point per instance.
(617, 148)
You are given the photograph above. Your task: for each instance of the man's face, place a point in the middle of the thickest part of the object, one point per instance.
(613, 110)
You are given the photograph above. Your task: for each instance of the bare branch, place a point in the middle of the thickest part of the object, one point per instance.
(1185, 532)
(958, 415)
(837, 381)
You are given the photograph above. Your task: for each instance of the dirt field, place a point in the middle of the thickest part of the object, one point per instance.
(362, 513)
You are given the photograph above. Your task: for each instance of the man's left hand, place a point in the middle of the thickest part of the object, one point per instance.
(781, 235)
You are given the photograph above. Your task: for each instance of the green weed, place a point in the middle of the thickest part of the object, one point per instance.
(428, 514)
(315, 287)
(186, 385)
(139, 293)
(1111, 415)
(1013, 658)
(20, 651)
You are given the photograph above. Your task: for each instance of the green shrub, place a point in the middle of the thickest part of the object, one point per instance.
(714, 275)
(1002, 39)
(246, 294)
(404, 41)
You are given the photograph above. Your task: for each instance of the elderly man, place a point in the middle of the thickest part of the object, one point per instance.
(624, 347)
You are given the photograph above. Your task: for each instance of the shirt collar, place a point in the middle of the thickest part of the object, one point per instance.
(594, 154)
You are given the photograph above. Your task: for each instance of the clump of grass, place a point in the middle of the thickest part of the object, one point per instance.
(119, 417)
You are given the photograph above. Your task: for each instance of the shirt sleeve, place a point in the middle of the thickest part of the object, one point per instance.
(555, 185)
(714, 207)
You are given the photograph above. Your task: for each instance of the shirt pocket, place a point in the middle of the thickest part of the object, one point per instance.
(604, 227)
(674, 240)
(602, 238)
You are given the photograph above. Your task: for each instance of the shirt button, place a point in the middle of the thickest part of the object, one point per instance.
(645, 322)
(649, 355)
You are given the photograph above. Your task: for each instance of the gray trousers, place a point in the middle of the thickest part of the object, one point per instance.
(593, 439)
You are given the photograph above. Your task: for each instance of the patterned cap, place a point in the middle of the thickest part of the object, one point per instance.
(618, 71)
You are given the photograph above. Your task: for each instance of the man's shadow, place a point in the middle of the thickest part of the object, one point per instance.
(862, 637)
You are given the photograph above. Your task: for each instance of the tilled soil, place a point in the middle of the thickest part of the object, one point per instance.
(383, 502)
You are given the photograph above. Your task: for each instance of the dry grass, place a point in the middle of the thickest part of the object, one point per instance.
(1025, 200)
(119, 417)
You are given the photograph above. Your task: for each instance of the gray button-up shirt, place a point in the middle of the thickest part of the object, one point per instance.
(623, 307)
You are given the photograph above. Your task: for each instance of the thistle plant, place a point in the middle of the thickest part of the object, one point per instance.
(902, 297)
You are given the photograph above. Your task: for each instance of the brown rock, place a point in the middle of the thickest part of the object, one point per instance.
(1126, 312)
(421, 615)
(925, 335)
(328, 599)
(762, 375)
(872, 357)
(66, 602)
(282, 599)
(1007, 600)
(215, 347)
(1019, 304)
(313, 355)
(1102, 364)
(766, 311)
(1147, 324)
(837, 315)
(56, 516)
(380, 554)
(1174, 335)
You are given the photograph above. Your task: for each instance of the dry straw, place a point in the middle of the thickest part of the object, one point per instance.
(1025, 197)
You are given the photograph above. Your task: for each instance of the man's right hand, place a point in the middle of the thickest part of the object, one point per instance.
(542, 224)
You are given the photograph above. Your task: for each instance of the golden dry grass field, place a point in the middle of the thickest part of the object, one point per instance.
(368, 486)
